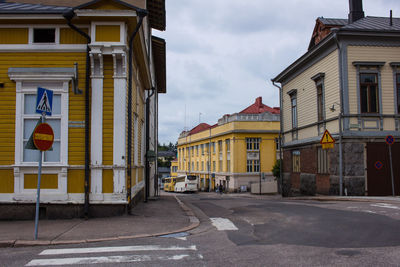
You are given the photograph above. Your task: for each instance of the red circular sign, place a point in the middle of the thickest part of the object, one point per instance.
(389, 140)
(43, 137)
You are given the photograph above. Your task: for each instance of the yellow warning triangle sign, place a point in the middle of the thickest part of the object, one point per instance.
(327, 138)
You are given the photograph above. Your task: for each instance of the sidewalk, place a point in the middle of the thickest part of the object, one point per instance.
(164, 215)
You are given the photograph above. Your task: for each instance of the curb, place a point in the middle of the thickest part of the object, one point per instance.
(194, 222)
(357, 199)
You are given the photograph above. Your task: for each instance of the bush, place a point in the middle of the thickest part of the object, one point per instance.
(276, 169)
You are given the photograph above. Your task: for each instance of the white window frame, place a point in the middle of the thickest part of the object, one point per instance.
(27, 80)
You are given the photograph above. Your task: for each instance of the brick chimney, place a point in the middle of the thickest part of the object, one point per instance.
(356, 10)
(259, 101)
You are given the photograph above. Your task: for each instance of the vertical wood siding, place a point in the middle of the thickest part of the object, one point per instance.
(108, 184)
(6, 181)
(76, 181)
(47, 181)
(69, 36)
(14, 36)
(108, 111)
(108, 33)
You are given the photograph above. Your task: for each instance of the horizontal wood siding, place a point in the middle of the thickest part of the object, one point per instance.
(373, 53)
(108, 111)
(7, 100)
(307, 93)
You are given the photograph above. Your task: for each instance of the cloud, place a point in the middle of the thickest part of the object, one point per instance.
(221, 54)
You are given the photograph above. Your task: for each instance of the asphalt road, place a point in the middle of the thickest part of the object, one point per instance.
(244, 231)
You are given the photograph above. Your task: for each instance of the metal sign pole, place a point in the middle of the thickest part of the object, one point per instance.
(38, 188)
(391, 168)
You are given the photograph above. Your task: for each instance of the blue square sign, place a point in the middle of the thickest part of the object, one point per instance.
(44, 101)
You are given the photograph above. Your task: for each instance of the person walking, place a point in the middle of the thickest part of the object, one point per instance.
(220, 188)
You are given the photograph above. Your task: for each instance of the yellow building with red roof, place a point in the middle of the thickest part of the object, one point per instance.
(236, 151)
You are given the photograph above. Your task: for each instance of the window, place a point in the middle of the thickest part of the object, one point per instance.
(320, 103)
(220, 146)
(296, 161)
(253, 144)
(220, 165)
(293, 101)
(214, 166)
(277, 147)
(192, 167)
(319, 82)
(208, 166)
(197, 166)
(228, 145)
(202, 149)
(42, 35)
(202, 165)
(30, 119)
(228, 165)
(323, 162)
(26, 117)
(213, 147)
(253, 166)
(192, 149)
(369, 95)
(197, 150)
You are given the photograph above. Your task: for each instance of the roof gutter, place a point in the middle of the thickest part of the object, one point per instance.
(68, 16)
(141, 13)
(280, 138)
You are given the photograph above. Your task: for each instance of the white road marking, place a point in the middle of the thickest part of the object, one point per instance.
(385, 205)
(223, 224)
(108, 259)
(111, 249)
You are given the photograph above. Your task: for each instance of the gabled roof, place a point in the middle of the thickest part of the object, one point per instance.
(19, 8)
(258, 107)
(199, 128)
(333, 21)
(374, 24)
(156, 8)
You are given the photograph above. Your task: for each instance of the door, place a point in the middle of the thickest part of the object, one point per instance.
(378, 169)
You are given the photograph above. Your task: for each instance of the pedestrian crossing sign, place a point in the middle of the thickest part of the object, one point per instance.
(44, 101)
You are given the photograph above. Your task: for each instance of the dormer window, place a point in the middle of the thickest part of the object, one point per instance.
(44, 35)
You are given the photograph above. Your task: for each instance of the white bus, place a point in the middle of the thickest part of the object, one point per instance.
(186, 183)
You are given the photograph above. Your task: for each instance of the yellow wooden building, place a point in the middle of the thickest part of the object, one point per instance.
(235, 151)
(174, 168)
(106, 70)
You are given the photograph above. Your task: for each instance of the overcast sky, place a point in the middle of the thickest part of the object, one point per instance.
(222, 54)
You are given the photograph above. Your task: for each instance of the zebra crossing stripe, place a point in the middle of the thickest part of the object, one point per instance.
(104, 259)
(113, 249)
(223, 224)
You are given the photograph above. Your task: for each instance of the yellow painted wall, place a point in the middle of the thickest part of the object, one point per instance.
(108, 182)
(69, 36)
(174, 164)
(6, 181)
(108, 33)
(14, 35)
(7, 100)
(47, 181)
(238, 150)
(76, 181)
(373, 53)
(108, 111)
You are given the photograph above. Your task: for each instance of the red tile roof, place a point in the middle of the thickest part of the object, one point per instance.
(258, 107)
